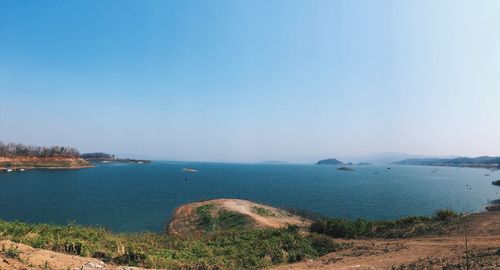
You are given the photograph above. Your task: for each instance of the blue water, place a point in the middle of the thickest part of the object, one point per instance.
(140, 197)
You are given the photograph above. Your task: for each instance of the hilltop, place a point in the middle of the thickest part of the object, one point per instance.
(220, 214)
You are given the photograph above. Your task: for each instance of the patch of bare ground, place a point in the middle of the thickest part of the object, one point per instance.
(186, 217)
(23, 257)
(427, 252)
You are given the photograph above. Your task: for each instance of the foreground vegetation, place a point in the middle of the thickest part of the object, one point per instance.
(230, 249)
(401, 228)
(229, 241)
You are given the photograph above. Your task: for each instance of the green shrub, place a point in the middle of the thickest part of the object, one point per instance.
(262, 211)
(204, 214)
(344, 228)
(404, 227)
(413, 219)
(323, 244)
(11, 252)
(229, 220)
(444, 215)
(131, 257)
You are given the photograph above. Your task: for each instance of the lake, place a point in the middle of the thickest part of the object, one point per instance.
(142, 197)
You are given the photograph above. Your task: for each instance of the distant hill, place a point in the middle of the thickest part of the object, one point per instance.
(329, 161)
(386, 158)
(480, 162)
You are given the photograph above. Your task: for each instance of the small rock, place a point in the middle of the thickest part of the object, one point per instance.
(91, 265)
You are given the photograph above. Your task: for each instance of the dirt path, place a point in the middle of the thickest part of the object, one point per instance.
(484, 236)
(384, 254)
(276, 219)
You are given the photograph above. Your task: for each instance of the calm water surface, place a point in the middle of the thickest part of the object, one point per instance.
(139, 197)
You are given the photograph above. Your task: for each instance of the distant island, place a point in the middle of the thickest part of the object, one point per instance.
(105, 157)
(17, 156)
(365, 164)
(478, 162)
(336, 162)
(329, 161)
(345, 169)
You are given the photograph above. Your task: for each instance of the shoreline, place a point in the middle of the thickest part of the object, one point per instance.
(4, 169)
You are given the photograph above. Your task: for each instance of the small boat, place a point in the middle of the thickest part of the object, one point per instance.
(22, 170)
(189, 170)
(9, 170)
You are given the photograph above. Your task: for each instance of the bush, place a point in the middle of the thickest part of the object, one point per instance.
(11, 252)
(262, 211)
(444, 215)
(413, 219)
(323, 244)
(131, 257)
(344, 228)
(229, 220)
(204, 214)
(404, 227)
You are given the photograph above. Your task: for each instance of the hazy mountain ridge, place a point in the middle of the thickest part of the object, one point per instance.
(483, 161)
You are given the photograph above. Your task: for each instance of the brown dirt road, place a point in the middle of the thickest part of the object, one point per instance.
(419, 253)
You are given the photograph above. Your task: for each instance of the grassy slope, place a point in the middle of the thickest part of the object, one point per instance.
(230, 249)
(228, 244)
(441, 222)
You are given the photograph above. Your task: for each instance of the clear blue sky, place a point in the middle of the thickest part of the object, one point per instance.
(247, 81)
